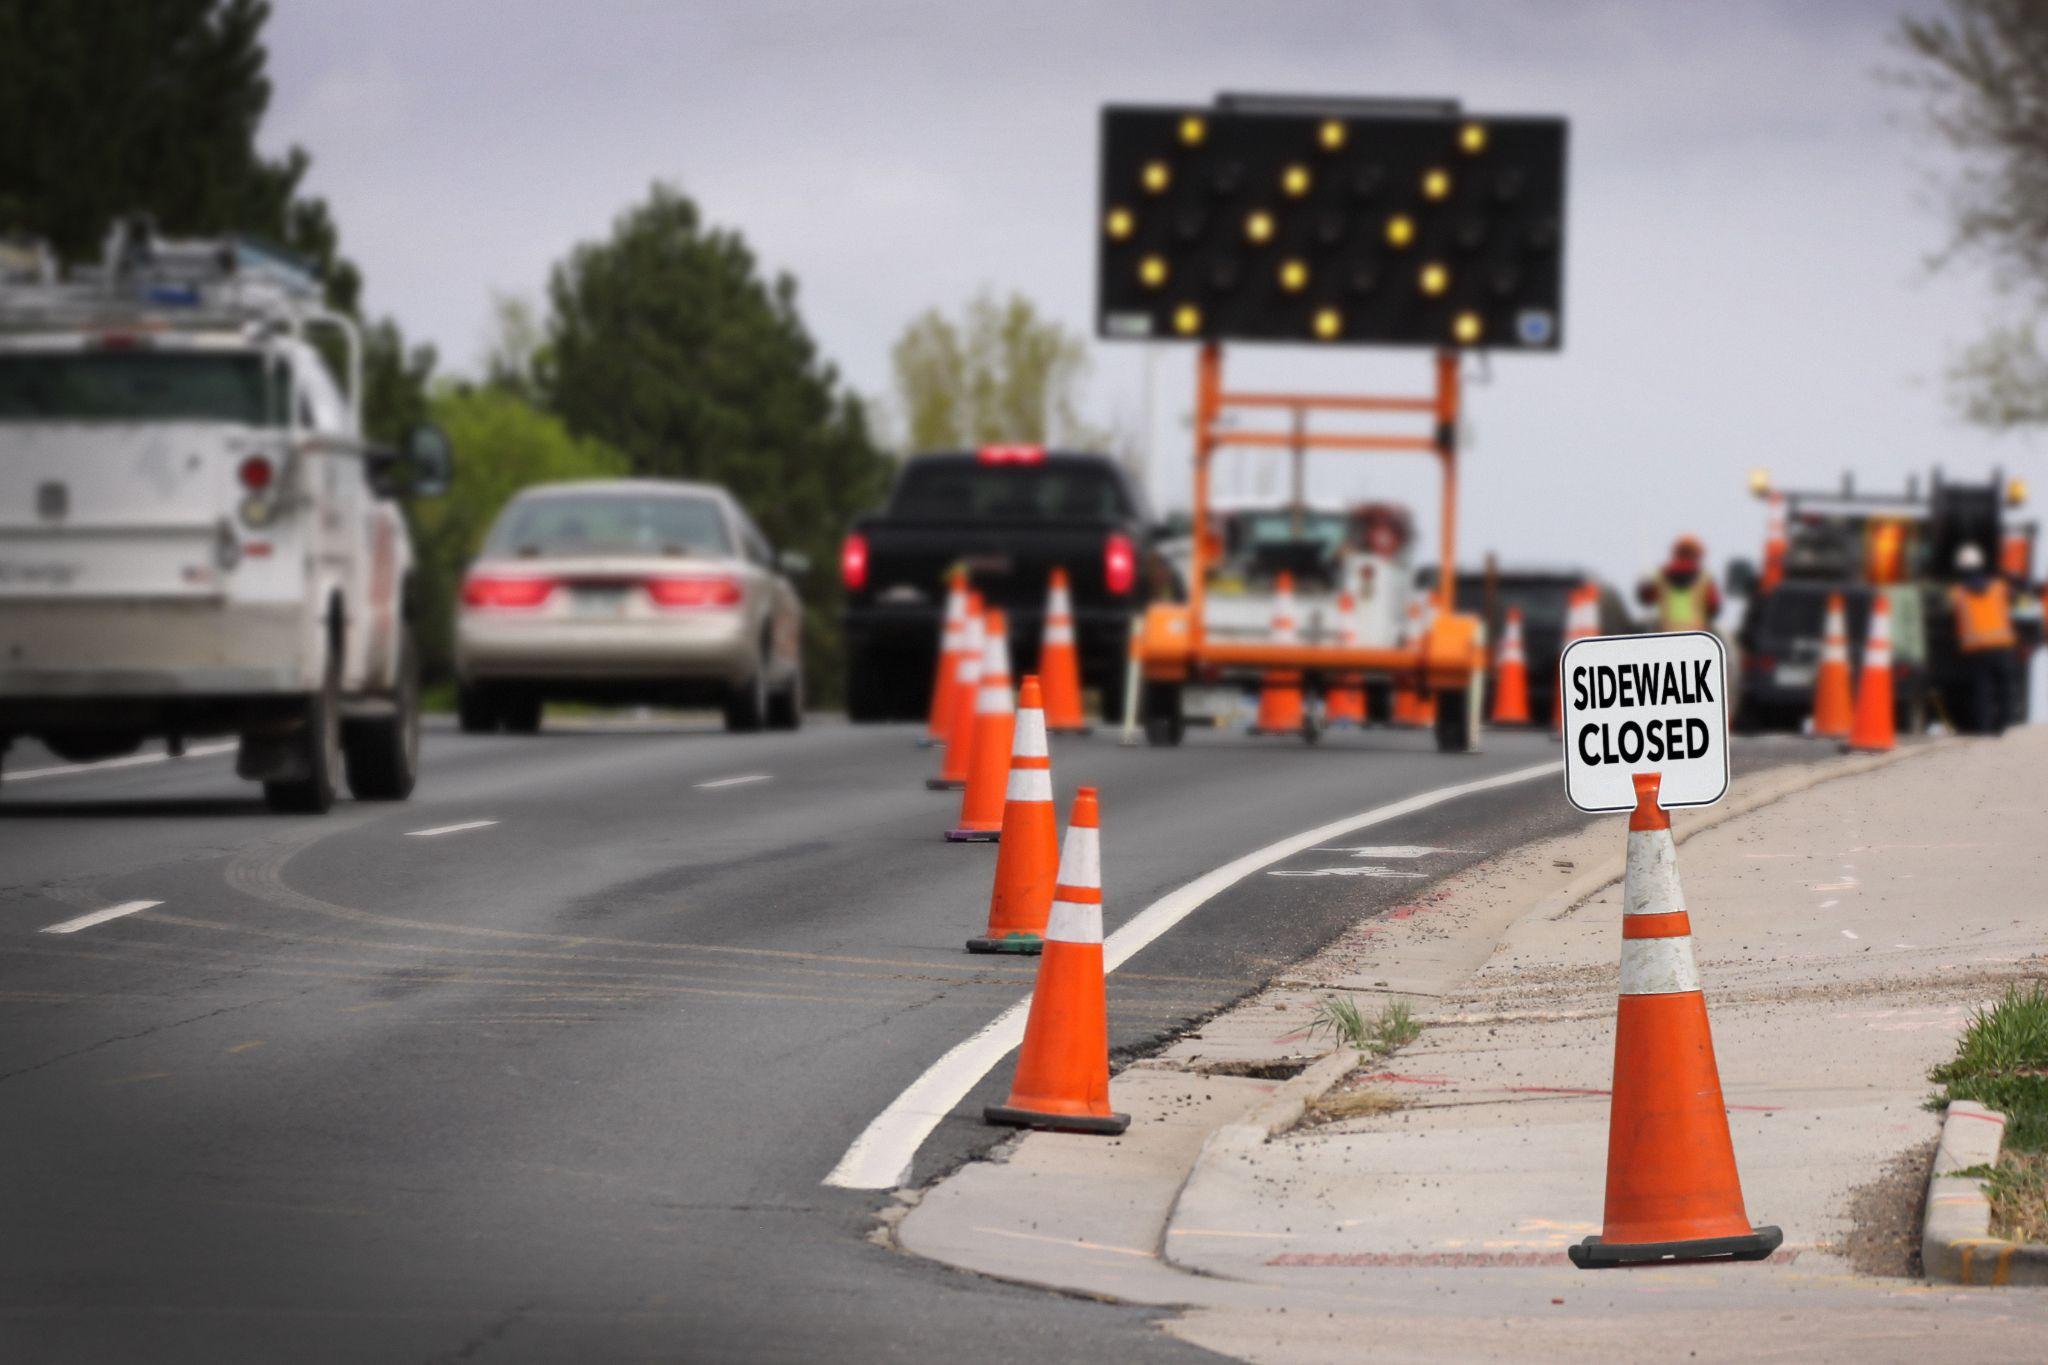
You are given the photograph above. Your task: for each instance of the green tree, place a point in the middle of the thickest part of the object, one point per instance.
(1982, 67)
(1001, 372)
(112, 109)
(667, 342)
(503, 444)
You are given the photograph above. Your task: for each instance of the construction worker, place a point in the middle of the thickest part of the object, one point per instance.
(1683, 593)
(1982, 604)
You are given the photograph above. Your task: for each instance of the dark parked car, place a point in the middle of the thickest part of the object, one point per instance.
(1542, 595)
(1010, 515)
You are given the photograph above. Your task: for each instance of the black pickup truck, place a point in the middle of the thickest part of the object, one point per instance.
(1010, 514)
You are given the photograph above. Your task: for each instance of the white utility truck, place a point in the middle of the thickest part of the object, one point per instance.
(195, 539)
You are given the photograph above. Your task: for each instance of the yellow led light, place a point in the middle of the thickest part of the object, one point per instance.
(1435, 279)
(2016, 492)
(1331, 135)
(1472, 138)
(1328, 323)
(1187, 319)
(1436, 184)
(1293, 276)
(1152, 271)
(1157, 177)
(1259, 227)
(1759, 481)
(1119, 224)
(1294, 180)
(1193, 128)
(1400, 230)
(1467, 328)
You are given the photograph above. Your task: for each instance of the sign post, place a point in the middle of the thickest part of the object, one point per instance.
(1645, 720)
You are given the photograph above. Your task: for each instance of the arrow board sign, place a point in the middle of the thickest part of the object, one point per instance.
(1645, 704)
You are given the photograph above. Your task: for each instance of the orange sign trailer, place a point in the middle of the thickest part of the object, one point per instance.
(1172, 649)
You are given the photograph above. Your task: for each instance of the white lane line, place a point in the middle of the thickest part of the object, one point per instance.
(108, 764)
(880, 1157)
(72, 926)
(739, 781)
(448, 829)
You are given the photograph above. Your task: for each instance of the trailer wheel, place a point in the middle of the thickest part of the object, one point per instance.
(1453, 722)
(1164, 724)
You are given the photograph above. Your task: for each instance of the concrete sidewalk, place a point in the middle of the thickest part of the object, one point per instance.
(1846, 926)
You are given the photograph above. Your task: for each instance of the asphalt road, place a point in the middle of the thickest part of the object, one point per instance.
(564, 1086)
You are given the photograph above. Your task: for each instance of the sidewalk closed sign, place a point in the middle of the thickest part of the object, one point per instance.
(1645, 704)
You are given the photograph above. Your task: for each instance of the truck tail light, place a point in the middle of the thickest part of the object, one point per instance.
(853, 562)
(699, 591)
(1119, 564)
(255, 473)
(488, 590)
(1011, 454)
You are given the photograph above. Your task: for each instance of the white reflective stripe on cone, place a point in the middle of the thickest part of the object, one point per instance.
(1061, 605)
(1081, 857)
(1029, 784)
(1029, 741)
(1071, 923)
(1059, 635)
(1651, 884)
(1658, 966)
(994, 699)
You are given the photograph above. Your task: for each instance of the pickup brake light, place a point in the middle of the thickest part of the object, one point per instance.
(1119, 564)
(853, 562)
(1012, 454)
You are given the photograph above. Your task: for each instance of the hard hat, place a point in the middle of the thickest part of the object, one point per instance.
(1688, 547)
(1969, 559)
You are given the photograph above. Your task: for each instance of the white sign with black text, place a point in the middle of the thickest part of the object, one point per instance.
(1645, 704)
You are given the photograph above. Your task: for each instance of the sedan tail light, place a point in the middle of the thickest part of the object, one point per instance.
(853, 562)
(487, 590)
(700, 591)
(1119, 564)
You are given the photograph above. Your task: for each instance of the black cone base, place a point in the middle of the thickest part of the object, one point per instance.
(1594, 1254)
(1108, 1125)
(1013, 943)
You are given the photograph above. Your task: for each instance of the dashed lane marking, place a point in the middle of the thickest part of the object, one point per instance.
(742, 780)
(72, 926)
(438, 830)
(880, 1157)
(109, 764)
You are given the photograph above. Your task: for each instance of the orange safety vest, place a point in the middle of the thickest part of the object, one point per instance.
(1983, 619)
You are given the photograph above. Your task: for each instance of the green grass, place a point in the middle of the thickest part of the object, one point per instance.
(1340, 1018)
(2002, 1063)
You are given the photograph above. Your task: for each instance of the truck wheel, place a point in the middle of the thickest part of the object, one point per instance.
(521, 714)
(1164, 724)
(1453, 722)
(746, 706)
(319, 741)
(475, 712)
(382, 756)
(786, 708)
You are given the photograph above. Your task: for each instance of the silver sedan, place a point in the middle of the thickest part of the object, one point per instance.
(635, 591)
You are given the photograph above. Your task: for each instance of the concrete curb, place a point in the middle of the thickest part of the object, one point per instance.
(1955, 1240)
(1205, 1194)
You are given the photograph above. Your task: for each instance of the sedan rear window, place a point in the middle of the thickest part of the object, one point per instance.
(562, 524)
(966, 490)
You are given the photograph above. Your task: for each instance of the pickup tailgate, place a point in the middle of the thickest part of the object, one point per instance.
(1010, 563)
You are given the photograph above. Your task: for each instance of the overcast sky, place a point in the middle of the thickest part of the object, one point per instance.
(1749, 213)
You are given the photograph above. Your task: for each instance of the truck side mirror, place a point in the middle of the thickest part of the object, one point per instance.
(429, 460)
(1742, 580)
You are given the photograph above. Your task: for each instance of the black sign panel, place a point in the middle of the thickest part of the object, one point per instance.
(1405, 230)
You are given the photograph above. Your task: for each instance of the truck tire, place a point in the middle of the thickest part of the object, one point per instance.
(867, 691)
(319, 741)
(475, 710)
(1164, 723)
(1453, 722)
(382, 756)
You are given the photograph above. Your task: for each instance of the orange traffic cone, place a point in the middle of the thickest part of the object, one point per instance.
(1280, 697)
(1871, 731)
(1581, 622)
(949, 660)
(960, 724)
(1831, 709)
(1345, 704)
(1062, 1077)
(988, 753)
(1059, 667)
(1672, 1189)
(1027, 864)
(1511, 675)
(1774, 546)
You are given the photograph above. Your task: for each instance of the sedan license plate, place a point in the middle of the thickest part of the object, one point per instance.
(1794, 675)
(597, 602)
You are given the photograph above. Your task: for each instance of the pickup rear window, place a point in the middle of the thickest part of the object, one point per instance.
(966, 490)
(140, 386)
